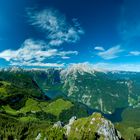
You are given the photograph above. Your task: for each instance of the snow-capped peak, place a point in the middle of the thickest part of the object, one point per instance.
(12, 69)
(80, 68)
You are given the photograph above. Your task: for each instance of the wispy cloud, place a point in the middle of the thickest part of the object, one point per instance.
(57, 31)
(110, 53)
(99, 48)
(134, 53)
(65, 57)
(38, 64)
(55, 26)
(118, 67)
(32, 53)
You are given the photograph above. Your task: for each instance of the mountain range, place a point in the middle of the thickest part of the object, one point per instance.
(54, 96)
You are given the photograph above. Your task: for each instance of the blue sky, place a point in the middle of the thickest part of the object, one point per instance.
(50, 33)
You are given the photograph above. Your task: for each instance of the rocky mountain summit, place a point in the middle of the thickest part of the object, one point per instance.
(90, 128)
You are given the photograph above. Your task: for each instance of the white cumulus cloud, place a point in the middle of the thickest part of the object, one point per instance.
(57, 31)
(33, 53)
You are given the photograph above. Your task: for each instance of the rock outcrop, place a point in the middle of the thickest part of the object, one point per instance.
(90, 128)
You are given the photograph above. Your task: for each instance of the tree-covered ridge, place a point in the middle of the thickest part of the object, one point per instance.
(92, 127)
(36, 117)
(20, 83)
